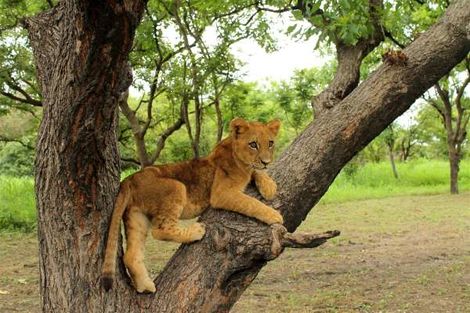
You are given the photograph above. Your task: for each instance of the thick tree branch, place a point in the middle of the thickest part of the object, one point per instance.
(238, 247)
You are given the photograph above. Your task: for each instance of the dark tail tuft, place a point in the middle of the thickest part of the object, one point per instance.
(107, 282)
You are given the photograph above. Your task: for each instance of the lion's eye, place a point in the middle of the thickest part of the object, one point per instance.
(271, 144)
(253, 145)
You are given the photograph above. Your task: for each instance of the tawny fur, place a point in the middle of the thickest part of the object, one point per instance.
(157, 197)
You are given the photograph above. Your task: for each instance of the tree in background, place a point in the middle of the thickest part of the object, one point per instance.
(453, 106)
(407, 139)
(390, 139)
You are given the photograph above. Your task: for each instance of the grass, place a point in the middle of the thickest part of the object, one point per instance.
(17, 204)
(375, 180)
(371, 181)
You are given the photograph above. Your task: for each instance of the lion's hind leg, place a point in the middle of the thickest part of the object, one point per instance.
(165, 221)
(137, 225)
(177, 233)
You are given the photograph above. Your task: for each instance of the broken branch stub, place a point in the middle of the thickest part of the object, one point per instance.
(283, 239)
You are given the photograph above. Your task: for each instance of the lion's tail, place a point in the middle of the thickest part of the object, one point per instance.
(109, 265)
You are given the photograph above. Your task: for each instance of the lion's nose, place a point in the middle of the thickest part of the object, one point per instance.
(265, 163)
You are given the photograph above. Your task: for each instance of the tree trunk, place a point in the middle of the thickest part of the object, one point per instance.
(392, 162)
(77, 165)
(454, 160)
(81, 50)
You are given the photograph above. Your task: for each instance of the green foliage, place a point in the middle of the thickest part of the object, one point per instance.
(333, 20)
(16, 160)
(17, 156)
(407, 19)
(431, 133)
(17, 73)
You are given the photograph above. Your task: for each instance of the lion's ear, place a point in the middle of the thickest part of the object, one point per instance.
(238, 126)
(274, 126)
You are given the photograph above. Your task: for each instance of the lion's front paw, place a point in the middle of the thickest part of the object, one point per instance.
(197, 231)
(145, 286)
(267, 188)
(273, 217)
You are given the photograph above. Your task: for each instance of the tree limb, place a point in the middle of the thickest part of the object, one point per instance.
(6, 139)
(28, 100)
(349, 59)
(389, 35)
(164, 136)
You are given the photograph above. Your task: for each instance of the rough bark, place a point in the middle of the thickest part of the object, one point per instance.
(454, 160)
(81, 50)
(77, 164)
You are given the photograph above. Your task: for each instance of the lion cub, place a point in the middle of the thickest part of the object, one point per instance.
(158, 196)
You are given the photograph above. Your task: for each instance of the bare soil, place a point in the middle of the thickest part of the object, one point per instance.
(403, 254)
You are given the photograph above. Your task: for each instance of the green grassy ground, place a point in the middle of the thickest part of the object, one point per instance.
(371, 181)
(375, 180)
(17, 206)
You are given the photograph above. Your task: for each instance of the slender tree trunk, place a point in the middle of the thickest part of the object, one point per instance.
(454, 160)
(142, 154)
(220, 120)
(392, 162)
(77, 165)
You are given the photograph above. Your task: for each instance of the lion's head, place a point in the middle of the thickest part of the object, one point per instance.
(253, 142)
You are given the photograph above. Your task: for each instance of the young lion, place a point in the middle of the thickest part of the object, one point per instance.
(158, 196)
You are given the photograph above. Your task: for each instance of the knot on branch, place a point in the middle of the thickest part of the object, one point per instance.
(282, 239)
(220, 238)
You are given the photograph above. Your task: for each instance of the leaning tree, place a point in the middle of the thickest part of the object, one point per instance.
(81, 50)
